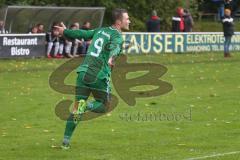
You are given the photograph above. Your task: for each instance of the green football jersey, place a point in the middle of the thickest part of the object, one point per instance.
(106, 42)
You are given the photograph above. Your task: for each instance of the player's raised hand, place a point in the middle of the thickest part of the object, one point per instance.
(63, 25)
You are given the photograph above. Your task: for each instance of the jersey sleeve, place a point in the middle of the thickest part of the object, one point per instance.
(79, 34)
(117, 46)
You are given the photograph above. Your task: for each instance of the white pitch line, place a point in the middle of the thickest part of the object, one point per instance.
(214, 155)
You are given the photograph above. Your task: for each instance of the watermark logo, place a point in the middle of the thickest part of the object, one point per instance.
(120, 82)
(123, 85)
(157, 116)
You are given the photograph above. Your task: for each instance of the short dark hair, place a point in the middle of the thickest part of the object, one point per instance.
(117, 14)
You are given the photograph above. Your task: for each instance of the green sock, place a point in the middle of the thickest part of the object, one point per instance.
(95, 106)
(70, 127)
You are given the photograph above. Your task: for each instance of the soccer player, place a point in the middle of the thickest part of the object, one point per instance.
(95, 71)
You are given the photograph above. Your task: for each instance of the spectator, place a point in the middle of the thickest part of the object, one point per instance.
(86, 25)
(228, 4)
(40, 27)
(153, 24)
(77, 25)
(178, 21)
(2, 28)
(75, 43)
(234, 7)
(53, 41)
(228, 29)
(34, 30)
(85, 43)
(220, 4)
(188, 21)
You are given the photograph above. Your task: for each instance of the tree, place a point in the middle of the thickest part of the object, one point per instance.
(139, 11)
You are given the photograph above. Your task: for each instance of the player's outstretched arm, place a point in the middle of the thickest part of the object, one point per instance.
(78, 34)
(75, 34)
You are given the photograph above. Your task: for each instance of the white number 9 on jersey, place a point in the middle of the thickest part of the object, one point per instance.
(98, 46)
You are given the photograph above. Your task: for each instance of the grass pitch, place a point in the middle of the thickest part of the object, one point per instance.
(205, 97)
